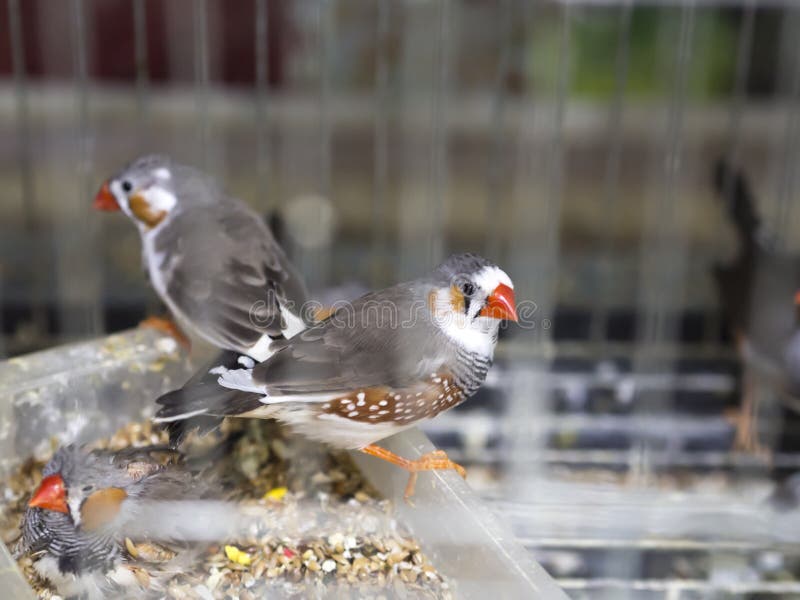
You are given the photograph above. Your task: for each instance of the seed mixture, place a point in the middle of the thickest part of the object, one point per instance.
(321, 530)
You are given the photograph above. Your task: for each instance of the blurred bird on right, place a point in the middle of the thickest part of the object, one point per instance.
(758, 293)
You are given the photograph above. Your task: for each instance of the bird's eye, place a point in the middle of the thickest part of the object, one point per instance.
(127, 186)
(467, 288)
(88, 488)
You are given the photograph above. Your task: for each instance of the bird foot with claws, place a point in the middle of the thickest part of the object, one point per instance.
(169, 327)
(432, 461)
(746, 439)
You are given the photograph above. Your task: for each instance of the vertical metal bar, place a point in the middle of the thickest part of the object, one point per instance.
(666, 197)
(325, 8)
(611, 181)
(325, 25)
(141, 70)
(662, 268)
(78, 273)
(27, 198)
(744, 48)
(262, 99)
(743, 52)
(94, 316)
(663, 255)
(494, 180)
(791, 140)
(380, 126)
(201, 74)
(438, 168)
(23, 117)
(536, 252)
(556, 159)
(39, 266)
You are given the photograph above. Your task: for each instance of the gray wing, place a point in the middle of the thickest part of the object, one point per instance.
(227, 274)
(154, 472)
(385, 338)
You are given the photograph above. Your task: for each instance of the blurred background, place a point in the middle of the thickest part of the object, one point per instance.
(632, 165)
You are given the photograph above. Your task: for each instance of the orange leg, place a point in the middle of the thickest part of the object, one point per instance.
(169, 327)
(747, 423)
(323, 313)
(746, 420)
(433, 461)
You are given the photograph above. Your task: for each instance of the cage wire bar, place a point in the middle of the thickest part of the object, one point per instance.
(202, 78)
(75, 245)
(380, 267)
(790, 146)
(744, 47)
(663, 247)
(540, 261)
(27, 196)
(142, 72)
(616, 108)
(496, 174)
(263, 141)
(438, 205)
(326, 22)
(423, 84)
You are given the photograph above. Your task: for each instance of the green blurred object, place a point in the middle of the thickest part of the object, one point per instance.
(653, 39)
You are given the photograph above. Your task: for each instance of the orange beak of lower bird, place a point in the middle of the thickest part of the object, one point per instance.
(501, 304)
(51, 495)
(104, 200)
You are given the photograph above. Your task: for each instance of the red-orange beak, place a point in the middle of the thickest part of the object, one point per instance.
(104, 200)
(501, 304)
(797, 299)
(51, 495)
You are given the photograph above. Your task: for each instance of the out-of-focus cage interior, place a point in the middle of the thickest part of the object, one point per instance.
(572, 143)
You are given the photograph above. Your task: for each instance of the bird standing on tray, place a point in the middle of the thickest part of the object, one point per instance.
(756, 291)
(71, 525)
(211, 259)
(385, 362)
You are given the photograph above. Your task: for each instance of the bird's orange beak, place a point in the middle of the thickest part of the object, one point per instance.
(51, 495)
(797, 298)
(104, 200)
(501, 304)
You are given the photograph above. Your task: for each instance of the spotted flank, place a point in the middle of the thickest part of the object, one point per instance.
(404, 406)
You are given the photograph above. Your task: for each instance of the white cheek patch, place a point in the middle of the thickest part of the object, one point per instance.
(159, 198)
(121, 198)
(75, 510)
(475, 335)
(162, 174)
(489, 278)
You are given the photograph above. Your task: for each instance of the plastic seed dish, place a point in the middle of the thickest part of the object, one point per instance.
(292, 517)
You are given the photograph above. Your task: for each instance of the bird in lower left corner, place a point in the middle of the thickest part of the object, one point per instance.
(71, 526)
(381, 364)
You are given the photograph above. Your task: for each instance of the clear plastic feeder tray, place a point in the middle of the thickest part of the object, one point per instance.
(80, 392)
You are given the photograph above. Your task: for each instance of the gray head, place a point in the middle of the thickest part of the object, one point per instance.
(66, 515)
(470, 298)
(151, 187)
(88, 488)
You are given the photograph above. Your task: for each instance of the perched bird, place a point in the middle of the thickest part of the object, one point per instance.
(211, 259)
(385, 362)
(755, 291)
(71, 525)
